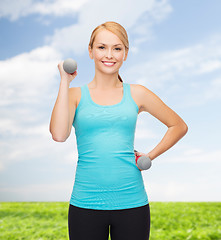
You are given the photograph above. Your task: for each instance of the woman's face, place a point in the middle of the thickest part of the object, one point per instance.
(108, 52)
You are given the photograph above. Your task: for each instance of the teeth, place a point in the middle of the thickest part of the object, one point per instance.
(109, 64)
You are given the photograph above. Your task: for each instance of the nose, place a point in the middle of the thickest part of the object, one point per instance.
(109, 53)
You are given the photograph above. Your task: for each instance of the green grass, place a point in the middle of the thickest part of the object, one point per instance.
(169, 220)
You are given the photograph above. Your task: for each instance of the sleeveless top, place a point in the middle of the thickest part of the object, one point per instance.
(107, 177)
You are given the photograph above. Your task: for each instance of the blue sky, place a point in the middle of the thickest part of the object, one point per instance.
(175, 51)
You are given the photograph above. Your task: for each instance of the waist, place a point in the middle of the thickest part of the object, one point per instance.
(108, 188)
(107, 172)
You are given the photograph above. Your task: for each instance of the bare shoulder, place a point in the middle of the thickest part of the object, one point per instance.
(139, 93)
(135, 95)
(142, 91)
(139, 89)
(150, 102)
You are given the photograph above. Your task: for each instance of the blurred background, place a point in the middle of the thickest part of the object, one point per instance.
(175, 51)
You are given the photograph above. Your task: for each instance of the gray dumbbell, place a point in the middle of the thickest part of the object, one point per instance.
(70, 65)
(143, 162)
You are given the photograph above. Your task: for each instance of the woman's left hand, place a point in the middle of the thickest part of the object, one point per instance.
(140, 154)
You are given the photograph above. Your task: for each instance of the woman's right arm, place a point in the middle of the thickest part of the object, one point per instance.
(64, 109)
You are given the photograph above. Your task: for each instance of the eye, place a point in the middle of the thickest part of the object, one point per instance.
(118, 49)
(101, 47)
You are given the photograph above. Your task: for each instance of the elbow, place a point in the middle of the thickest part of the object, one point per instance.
(58, 139)
(184, 128)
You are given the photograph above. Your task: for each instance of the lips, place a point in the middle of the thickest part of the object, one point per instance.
(109, 64)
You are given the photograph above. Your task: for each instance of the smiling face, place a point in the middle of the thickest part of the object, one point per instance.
(108, 52)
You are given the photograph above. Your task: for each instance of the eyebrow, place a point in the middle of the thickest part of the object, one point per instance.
(113, 45)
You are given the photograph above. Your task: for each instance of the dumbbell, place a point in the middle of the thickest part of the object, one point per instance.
(143, 162)
(69, 65)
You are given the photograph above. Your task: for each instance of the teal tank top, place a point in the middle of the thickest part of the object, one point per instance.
(107, 177)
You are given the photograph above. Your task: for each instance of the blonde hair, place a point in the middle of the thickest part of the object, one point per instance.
(115, 28)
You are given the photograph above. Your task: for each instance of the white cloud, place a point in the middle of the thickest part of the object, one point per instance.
(209, 66)
(195, 155)
(130, 14)
(35, 143)
(23, 8)
(15, 9)
(39, 192)
(182, 191)
(170, 66)
(13, 126)
(126, 12)
(213, 92)
(26, 76)
(185, 176)
(58, 7)
(183, 70)
(145, 133)
(143, 128)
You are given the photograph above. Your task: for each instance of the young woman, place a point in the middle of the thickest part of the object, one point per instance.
(108, 194)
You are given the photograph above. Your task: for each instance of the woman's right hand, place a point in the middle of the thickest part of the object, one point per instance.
(66, 76)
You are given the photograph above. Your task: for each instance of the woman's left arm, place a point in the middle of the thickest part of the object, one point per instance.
(177, 128)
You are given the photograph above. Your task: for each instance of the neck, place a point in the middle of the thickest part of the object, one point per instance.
(105, 81)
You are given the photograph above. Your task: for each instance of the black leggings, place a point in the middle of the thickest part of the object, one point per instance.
(123, 224)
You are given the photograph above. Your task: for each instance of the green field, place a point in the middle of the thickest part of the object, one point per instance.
(169, 220)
